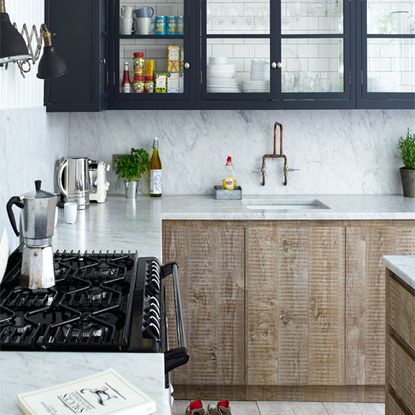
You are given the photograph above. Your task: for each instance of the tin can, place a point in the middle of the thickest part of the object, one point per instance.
(179, 25)
(160, 25)
(171, 25)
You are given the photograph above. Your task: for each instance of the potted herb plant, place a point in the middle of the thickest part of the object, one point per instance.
(130, 168)
(407, 149)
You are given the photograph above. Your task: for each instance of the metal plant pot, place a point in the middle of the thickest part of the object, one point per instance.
(408, 182)
(131, 189)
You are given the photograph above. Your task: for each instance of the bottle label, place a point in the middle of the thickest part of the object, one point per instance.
(155, 182)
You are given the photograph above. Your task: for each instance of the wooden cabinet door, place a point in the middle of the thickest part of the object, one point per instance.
(366, 296)
(295, 304)
(211, 260)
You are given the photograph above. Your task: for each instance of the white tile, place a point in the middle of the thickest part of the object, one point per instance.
(308, 408)
(275, 408)
(334, 408)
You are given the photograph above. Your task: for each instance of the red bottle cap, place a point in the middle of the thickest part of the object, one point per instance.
(229, 161)
(138, 54)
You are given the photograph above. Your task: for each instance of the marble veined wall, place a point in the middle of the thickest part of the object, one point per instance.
(337, 152)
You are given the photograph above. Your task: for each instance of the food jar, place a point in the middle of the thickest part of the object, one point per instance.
(149, 85)
(138, 63)
(138, 84)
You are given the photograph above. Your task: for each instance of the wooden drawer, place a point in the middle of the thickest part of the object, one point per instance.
(401, 311)
(401, 370)
(392, 408)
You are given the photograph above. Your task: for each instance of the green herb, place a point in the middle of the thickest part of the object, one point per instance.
(132, 166)
(407, 148)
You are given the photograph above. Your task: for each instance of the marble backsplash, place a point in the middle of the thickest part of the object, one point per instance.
(337, 152)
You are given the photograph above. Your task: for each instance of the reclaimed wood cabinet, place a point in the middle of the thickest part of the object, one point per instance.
(290, 310)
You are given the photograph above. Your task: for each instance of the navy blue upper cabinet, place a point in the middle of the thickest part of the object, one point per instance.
(239, 54)
(284, 54)
(386, 54)
(81, 39)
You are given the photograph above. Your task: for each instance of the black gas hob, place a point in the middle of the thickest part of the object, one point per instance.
(100, 302)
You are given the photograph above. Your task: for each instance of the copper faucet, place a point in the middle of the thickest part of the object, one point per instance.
(276, 155)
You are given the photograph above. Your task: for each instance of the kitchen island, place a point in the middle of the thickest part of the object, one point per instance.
(27, 371)
(243, 265)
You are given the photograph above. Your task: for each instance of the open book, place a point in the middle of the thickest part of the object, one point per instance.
(101, 394)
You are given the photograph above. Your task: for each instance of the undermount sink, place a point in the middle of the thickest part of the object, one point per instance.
(284, 204)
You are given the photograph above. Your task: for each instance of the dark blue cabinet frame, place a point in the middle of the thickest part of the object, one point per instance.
(375, 100)
(355, 93)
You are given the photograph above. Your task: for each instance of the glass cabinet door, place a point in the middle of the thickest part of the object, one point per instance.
(236, 48)
(388, 50)
(315, 49)
(153, 41)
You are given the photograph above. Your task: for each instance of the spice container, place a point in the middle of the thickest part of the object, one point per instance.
(149, 85)
(138, 63)
(138, 84)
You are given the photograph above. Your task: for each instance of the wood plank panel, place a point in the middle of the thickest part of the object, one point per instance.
(365, 302)
(292, 282)
(326, 328)
(213, 258)
(261, 306)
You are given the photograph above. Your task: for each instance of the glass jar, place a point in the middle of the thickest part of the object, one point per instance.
(149, 85)
(138, 62)
(138, 84)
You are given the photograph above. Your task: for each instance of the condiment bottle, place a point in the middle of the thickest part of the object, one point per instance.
(229, 181)
(155, 170)
(126, 83)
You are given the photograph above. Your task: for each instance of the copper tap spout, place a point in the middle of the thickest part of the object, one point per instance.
(276, 155)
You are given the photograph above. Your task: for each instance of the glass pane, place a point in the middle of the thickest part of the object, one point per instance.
(238, 17)
(312, 65)
(312, 16)
(391, 65)
(390, 17)
(156, 18)
(167, 75)
(238, 65)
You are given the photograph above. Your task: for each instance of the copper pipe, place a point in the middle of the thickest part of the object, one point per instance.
(47, 36)
(2, 6)
(276, 155)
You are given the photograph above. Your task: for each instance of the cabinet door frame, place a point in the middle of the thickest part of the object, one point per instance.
(275, 99)
(376, 100)
(133, 101)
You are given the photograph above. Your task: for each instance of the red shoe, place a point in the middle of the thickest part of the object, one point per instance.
(221, 408)
(195, 408)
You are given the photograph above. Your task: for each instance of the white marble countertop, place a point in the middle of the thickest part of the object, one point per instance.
(28, 371)
(403, 267)
(122, 224)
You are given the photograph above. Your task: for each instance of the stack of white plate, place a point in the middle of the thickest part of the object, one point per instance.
(255, 86)
(221, 76)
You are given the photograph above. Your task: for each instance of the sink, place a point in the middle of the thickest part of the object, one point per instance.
(284, 204)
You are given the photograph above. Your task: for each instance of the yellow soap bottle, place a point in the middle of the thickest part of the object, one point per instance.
(229, 181)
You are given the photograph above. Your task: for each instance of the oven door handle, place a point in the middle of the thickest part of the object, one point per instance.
(176, 357)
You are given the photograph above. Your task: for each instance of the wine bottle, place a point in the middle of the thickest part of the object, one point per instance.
(155, 170)
(126, 83)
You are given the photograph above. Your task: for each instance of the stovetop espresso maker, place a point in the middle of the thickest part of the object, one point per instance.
(38, 217)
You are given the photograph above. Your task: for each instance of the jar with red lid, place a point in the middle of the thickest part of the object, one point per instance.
(149, 85)
(138, 63)
(138, 84)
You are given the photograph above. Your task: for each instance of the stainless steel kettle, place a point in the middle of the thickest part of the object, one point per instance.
(73, 181)
(38, 218)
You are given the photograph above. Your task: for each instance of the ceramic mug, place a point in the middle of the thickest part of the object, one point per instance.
(142, 25)
(144, 12)
(70, 212)
(126, 20)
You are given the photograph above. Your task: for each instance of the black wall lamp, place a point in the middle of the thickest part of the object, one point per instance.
(13, 48)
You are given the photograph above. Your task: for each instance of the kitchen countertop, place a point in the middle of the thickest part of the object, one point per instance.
(122, 224)
(27, 371)
(403, 267)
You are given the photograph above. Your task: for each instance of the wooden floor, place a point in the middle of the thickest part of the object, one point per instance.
(295, 408)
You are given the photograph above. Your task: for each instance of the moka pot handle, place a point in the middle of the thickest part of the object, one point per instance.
(15, 200)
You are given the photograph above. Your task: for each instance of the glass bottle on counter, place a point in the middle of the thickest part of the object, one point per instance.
(126, 83)
(155, 170)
